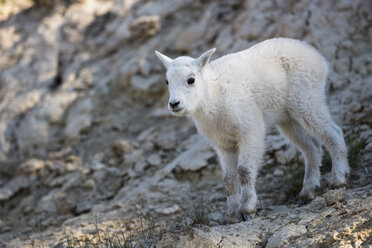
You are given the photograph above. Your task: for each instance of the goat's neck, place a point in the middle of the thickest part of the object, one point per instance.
(211, 103)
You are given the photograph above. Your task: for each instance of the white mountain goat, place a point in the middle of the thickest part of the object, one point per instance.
(233, 99)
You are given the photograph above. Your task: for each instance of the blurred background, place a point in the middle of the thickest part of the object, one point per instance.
(87, 145)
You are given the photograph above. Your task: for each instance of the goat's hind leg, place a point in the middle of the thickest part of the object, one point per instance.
(320, 124)
(312, 151)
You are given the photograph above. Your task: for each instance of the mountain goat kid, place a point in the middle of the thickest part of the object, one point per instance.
(233, 99)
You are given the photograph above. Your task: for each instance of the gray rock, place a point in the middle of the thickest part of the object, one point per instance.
(55, 106)
(154, 159)
(13, 186)
(278, 172)
(333, 196)
(121, 147)
(79, 119)
(145, 26)
(284, 156)
(32, 166)
(282, 237)
(165, 141)
(33, 135)
(168, 211)
(196, 156)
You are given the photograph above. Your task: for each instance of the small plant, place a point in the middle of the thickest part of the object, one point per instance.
(293, 179)
(326, 162)
(147, 236)
(198, 213)
(354, 146)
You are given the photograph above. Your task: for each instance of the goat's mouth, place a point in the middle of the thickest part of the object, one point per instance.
(177, 110)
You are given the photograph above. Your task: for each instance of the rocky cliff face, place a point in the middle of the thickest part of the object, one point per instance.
(87, 145)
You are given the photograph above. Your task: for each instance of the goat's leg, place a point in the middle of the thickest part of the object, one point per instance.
(312, 151)
(251, 150)
(228, 161)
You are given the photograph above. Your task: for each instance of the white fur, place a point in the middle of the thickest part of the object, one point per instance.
(236, 97)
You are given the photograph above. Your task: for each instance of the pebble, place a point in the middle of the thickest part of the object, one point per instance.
(168, 211)
(333, 196)
(278, 172)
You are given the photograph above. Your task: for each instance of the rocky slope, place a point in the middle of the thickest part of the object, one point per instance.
(88, 150)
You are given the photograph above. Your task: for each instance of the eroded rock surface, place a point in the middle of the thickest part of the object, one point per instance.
(88, 147)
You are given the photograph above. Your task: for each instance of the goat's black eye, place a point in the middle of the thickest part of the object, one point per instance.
(190, 80)
(166, 81)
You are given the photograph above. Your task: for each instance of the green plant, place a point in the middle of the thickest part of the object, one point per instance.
(293, 177)
(326, 162)
(198, 214)
(354, 146)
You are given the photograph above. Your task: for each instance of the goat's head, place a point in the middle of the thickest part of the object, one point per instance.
(185, 82)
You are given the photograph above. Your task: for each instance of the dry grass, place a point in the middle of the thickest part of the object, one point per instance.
(198, 214)
(146, 236)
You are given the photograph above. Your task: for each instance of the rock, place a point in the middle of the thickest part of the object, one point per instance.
(140, 165)
(275, 142)
(249, 26)
(145, 26)
(168, 211)
(151, 84)
(161, 112)
(73, 182)
(31, 166)
(154, 160)
(368, 147)
(79, 119)
(56, 202)
(73, 163)
(12, 107)
(278, 172)
(225, 39)
(121, 147)
(165, 141)
(33, 135)
(27, 204)
(196, 156)
(334, 196)
(190, 36)
(78, 77)
(284, 156)
(78, 125)
(282, 237)
(13, 186)
(134, 156)
(55, 106)
(89, 184)
(157, 8)
(99, 175)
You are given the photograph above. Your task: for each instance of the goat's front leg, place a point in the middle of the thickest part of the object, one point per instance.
(228, 161)
(251, 150)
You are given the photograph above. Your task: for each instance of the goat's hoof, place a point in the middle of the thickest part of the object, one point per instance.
(246, 216)
(317, 188)
(230, 219)
(227, 221)
(303, 202)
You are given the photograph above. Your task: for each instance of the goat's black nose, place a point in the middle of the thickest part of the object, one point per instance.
(174, 104)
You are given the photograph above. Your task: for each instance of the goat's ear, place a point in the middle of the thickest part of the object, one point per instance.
(204, 58)
(164, 59)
